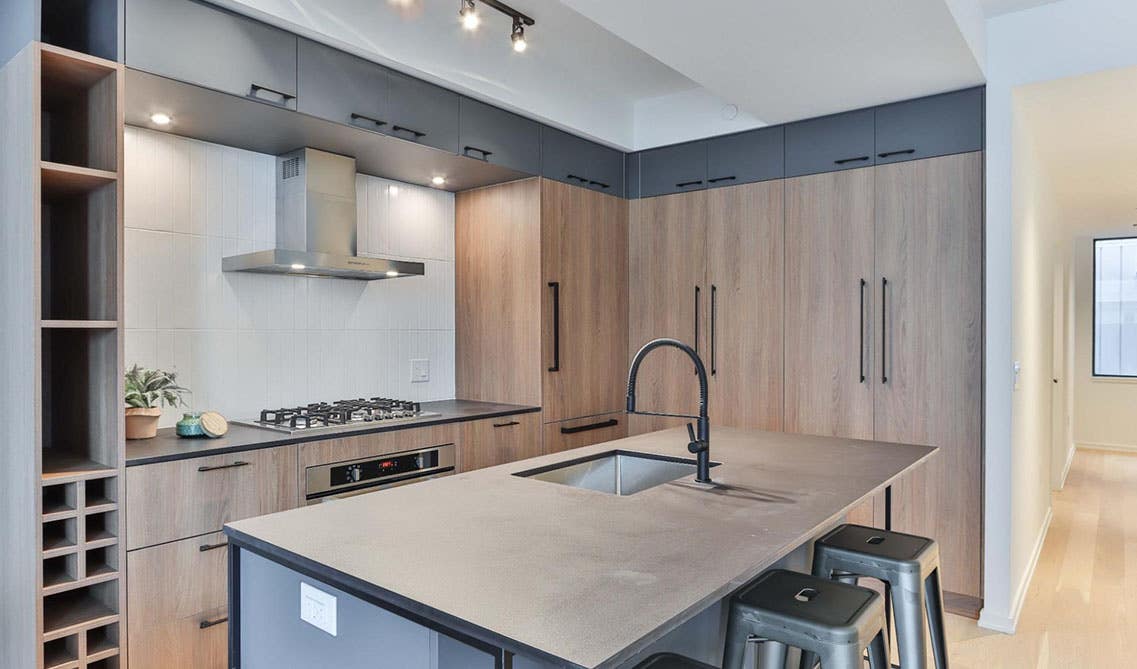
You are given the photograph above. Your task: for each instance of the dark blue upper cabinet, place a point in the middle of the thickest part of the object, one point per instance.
(204, 45)
(499, 137)
(631, 175)
(746, 157)
(933, 126)
(673, 169)
(839, 142)
(340, 87)
(579, 162)
(422, 112)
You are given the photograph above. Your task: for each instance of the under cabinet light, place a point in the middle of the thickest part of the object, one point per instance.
(160, 119)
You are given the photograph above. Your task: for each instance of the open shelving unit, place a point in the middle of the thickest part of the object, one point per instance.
(74, 272)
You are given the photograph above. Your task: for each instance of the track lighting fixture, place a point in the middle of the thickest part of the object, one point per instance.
(468, 14)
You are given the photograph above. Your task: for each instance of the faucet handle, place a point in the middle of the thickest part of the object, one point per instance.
(691, 432)
(695, 446)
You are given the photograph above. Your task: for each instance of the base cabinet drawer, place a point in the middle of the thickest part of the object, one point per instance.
(496, 441)
(177, 599)
(184, 498)
(580, 432)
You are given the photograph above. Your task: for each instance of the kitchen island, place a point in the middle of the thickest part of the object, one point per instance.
(493, 569)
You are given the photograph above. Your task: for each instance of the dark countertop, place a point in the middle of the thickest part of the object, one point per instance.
(169, 446)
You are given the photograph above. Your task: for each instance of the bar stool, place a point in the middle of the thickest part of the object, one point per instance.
(671, 661)
(834, 620)
(909, 566)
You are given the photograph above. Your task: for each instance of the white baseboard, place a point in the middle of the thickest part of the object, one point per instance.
(1066, 469)
(1008, 623)
(1122, 448)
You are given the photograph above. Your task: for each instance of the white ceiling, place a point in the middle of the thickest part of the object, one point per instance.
(640, 73)
(997, 7)
(1085, 142)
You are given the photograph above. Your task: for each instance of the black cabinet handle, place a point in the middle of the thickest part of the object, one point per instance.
(239, 463)
(598, 183)
(858, 159)
(576, 178)
(714, 317)
(591, 426)
(861, 364)
(696, 323)
(210, 547)
(206, 624)
(883, 330)
(485, 154)
(888, 154)
(284, 97)
(684, 184)
(720, 179)
(510, 423)
(361, 117)
(556, 286)
(403, 128)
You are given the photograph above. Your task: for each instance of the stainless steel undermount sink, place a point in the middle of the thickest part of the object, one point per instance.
(615, 472)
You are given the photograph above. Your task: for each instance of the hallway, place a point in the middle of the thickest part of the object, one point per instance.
(1081, 610)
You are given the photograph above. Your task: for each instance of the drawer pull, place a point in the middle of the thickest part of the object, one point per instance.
(284, 97)
(485, 154)
(889, 154)
(858, 159)
(206, 624)
(403, 128)
(210, 547)
(685, 184)
(361, 117)
(206, 468)
(577, 178)
(510, 423)
(591, 426)
(719, 179)
(599, 183)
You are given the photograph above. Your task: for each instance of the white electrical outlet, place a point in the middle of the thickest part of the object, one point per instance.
(318, 608)
(420, 371)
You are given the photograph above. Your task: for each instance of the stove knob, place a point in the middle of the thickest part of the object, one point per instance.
(354, 473)
(417, 407)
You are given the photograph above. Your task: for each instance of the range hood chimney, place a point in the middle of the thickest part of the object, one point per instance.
(315, 224)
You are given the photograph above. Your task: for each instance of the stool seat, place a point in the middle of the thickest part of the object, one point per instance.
(671, 661)
(832, 611)
(907, 552)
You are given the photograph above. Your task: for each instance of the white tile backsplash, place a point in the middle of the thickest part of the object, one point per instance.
(243, 342)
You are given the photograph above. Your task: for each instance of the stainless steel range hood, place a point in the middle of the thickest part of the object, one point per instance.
(315, 224)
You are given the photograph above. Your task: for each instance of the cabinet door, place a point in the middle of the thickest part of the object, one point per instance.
(581, 432)
(201, 44)
(422, 112)
(499, 137)
(934, 126)
(832, 143)
(632, 176)
(929, 248)
(584, 250)
(745, 246)
(177, 597)
(340, 87)
(579, 162)
(746, 157)
(496, 441)
(673, 169)
(829, 272)
(667, 260)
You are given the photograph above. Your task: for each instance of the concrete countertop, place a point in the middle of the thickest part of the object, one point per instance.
(169, 446)
(583, 578)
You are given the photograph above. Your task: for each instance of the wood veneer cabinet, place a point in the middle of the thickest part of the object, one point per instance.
(541, 293)
(496, 441)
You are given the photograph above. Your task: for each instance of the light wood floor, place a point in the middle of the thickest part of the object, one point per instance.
(1081, 609)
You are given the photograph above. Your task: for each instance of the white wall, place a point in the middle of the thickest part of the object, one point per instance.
(1105, 410)
(243, 342)
(1057, 40)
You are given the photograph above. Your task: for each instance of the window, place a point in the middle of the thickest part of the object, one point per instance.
(1115, 307)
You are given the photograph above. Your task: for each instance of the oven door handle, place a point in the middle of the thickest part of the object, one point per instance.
(449, 471)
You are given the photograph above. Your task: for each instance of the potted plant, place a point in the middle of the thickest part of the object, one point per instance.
(147, 390)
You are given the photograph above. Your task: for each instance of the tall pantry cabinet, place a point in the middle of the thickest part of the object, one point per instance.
(542, 305)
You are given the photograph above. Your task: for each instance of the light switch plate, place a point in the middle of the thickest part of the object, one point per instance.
(318, 608)
(420, 371)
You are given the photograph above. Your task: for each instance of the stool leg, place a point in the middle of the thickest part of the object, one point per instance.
(934, 602)
(771, 655)
(849, 657)
(908, 607)
(878, 653)
(737, 632)
(808, 659)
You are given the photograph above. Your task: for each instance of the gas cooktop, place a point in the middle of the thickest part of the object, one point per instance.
(340, 414)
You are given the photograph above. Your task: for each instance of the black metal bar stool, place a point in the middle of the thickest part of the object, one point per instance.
(671, 661)
(783, 609)
(909, 566)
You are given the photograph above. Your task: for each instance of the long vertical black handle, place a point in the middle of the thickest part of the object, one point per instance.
(861, 365)
(883, 330)
(696, 322)
(714, 317)
(556, 286)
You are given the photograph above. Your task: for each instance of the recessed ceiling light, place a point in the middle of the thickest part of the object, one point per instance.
(392, 273)
(160, 119)
(297, 265)
(438, 181)
(469, 15)
(518, 36)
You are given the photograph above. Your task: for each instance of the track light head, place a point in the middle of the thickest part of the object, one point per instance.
(469, 15)
(518, 36)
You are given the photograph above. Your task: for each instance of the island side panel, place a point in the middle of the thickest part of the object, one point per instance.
(272, 635)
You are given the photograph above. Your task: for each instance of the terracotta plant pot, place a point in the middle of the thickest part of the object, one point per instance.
(142, 423)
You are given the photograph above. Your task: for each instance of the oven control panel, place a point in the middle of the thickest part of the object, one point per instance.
(358, 472)
(378, 471)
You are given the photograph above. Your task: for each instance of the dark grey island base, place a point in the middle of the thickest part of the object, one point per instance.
(490, 569)
(169, 446)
